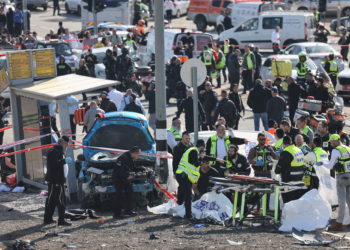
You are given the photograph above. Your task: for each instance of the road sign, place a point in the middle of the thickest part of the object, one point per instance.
(20, 65)
(186, 71)
(44, 63)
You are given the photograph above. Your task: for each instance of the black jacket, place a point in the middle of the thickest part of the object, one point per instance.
(209, 101)
(107, 105)
(326, 146)
(203, 181)
(228, 110)
(178, 151)
(55, 163)
(227, 22)
(123, 166)
(110, 62)
(91, 60)
(83, 71)
(284, 168)
(258, 60)
(237, 100)
(124, 66)
(186, 105)
(257, 99)
(151, 98)
(232, 63)
(133, 107)
(294, 92)
(63, 69)
(240, 165)
(172, 74)
(233, 140)
(275, 108)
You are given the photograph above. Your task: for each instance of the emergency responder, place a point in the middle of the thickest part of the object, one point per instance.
(278, 147)
(131, 44)
(218, 144)
(291, 168)
(302, 68)
(56, 178)
(124, 66)
(208, 59)
(137, 12)
(236, 163)
(180, 149)
(300, 143)
(340, 162)
(226, 47)
(304, 128)
(220, 65)
(317, 16)
(331, 67)
(321, 34)
(209, 100)
(260, 157)
(248, 66)
(174, 134)
(122, 175)
(288, 129)
(316, 157)
(322, 132)
(344, 42)
(187, 175)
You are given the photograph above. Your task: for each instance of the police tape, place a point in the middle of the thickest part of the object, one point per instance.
(26, 150)
(164, 191)
(6, 128)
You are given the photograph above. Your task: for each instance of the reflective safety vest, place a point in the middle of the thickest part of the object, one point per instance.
(296, 166)
(306, 130)
(226, 48)
(333, 68)
(263, 155)
(131, 44)
(310, 173)
(279, 144)
(344, 159)
(213, 148)
(191, 170)
(248, 57)
(207, 57)
(302, 69)
(222, 63)
(176, 134)
(317, 17)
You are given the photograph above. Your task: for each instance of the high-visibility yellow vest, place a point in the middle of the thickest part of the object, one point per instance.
(207, 57)
(344, 159)
(333, 68)
(226, 48)
(263, 154)
(279, 144)
(298, 156)
(306, 130)
(191, 170)
(176, 134)
(302, 70)
(310, 172)
(250, 64)
(222, 63)
(213, 148)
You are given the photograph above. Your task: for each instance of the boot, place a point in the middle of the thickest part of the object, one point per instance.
(336, 227)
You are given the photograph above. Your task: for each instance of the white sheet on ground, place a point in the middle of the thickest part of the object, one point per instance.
(211, 205)
(308, 213)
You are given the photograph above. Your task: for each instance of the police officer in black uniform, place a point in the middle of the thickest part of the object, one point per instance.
(55, 178)
(122, 182)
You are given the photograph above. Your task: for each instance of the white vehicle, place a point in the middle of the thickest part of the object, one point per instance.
(240, 12)
(122, 30)
(295, 27)
(73, 6)
(316, 51)
(171, 37)
(331, 7)
(343, 85)
(266, 73)
(121, 11)
(180, 7)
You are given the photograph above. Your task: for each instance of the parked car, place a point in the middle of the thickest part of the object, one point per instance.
(343, 86)
(122, 30)
(61, 48)
(245, 10)
(33, 4)
(295, 26)
(344, 21)
(332, 6)
(73, 6)
(315, 51)
(266, 68)
(127, 130)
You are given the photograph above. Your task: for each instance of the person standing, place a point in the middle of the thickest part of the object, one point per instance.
(276, 40)
(137, 12)
(53, 110)
(302, 67)
(209, 99)
(340, 162)
(227, 109)
(60, 30)
(73, 104)
(9, 21)
(208, 59)
(344, 42)
(258, 63)
(56, 7)
(331, 67)
(248, 66)
(275, 106)
(305, 129)
(91, 61)
(106, 104)
(174, 134)
(168, 7)
(291, 168)
(220, 65)
(132, 106)
(55, 178)
(121, 177)
(289, 130)
(321, 35)
(323, 133)
(18, 20)
(110, 65)
(257, 101)
(150, 96)
(233, 66)
(294, 92)
(2, 21)
(180, 149)
(115, 96)
(90, 115)
(237, 100)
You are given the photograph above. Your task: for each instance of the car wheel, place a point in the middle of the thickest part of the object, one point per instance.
(288, 42)
(346, 11)
(178, 14)
(67, 8)
(79, 11)
(302, 8)
(201, 23)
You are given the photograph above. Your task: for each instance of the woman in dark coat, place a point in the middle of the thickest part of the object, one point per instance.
(9, 21)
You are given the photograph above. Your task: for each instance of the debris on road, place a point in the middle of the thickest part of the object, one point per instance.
(235, 243)
(312, 238)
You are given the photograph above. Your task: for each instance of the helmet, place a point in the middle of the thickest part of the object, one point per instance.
(301, 54)
(125, 51)
(141, 22)
(251, 46)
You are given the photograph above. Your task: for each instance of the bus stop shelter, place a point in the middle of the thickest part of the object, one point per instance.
(25, 100)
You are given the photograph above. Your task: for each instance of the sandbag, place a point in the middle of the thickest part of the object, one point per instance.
(281, 68)
(308, 213)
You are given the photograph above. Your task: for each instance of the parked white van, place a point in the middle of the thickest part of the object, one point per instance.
(295, 27)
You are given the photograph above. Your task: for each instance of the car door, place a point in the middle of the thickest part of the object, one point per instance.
(268, 26)
(248, 32)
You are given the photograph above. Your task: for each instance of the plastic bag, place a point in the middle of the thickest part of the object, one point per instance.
(172, 184)
(328, 186)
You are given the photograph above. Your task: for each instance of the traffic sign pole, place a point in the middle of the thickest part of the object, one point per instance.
(195, 102)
